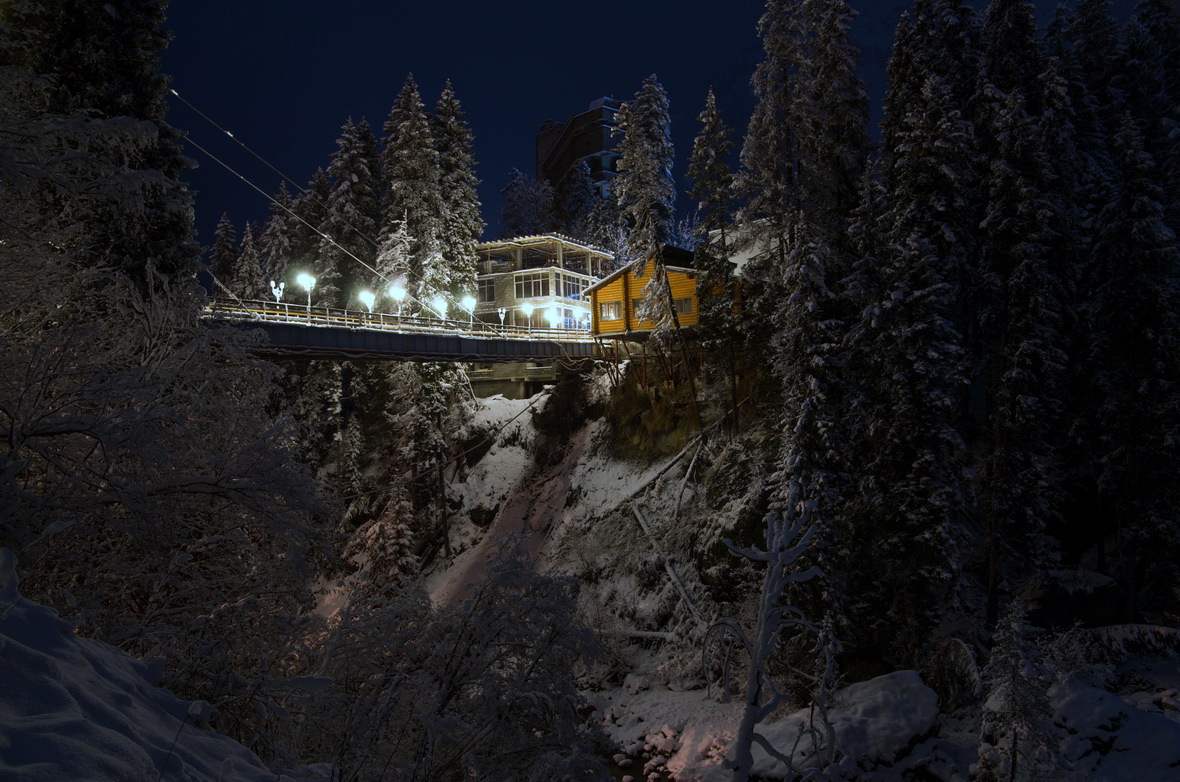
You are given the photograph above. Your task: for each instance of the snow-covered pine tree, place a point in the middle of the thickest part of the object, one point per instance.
(1018, 741)
(102, 64)
(1026, 335)
(939, 37)
(529, 206)
(277, 237)
(647, 194)
(581, 196)
(712, 189)
(462, 223)
(310, 207)
(906, 354)
(1148, 80)
(1010, 57)
(350, 218)
(1093, 37)
(768, 181)
(223, 255)
(608, 231)
(250, 281)
(834, 141)
(413, 199)
(1132, 359)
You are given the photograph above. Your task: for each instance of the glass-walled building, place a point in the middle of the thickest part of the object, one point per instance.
(538, 281)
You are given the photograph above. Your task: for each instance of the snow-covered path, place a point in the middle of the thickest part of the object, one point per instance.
(530, 511)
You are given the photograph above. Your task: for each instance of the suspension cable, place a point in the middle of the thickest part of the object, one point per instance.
(303, 190)
(311, 194)
(189, 140)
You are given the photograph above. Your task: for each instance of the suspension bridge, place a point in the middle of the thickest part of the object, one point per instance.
(295, 331)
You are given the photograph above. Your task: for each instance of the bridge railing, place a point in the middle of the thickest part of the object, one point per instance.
(314, 316)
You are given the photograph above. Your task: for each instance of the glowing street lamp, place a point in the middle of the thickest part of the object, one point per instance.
(553, 316)
(367, 298)
(527, 309)
(468, 304)
(398, 293)
(307, 282)
(277, 290)
(439, 305)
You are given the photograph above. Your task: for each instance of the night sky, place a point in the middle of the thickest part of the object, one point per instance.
(283, 75)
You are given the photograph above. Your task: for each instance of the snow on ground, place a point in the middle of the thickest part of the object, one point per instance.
(1113, 740)
(687, 735)
(72, 708)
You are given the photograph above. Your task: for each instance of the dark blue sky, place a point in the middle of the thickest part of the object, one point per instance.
(283, 75)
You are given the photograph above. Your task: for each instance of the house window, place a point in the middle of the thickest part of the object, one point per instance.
(487, 290)
(684, 306)
(572, 287)
(531, 286)
(610, 310)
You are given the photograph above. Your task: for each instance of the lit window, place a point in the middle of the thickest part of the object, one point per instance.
(610, 310)
(531, 286)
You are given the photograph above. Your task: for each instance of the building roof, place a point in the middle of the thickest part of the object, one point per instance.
(675, 259)
(522, 241)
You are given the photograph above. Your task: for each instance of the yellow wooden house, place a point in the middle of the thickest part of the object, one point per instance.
(615, 299)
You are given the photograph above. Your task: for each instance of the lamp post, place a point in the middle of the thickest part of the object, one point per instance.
(277, 290)
(399, 294)
(439, 305)
(308, 282)
(502, 312)
(527, 309)
(468, 304)
(367, 298)
(553, 316)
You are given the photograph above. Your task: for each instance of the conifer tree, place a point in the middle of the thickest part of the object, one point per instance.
(1133, 361)
(1148, 79)
(1092, 32)
(834, 141)
(250, 282)
(1025, 229)
(462, 223)
(907, 351)
(310, 207)
(1017, 738)
(350, 218)
(223, 255)
(528, 206)
(716, 290)
(413, 199)
(1010, 57)
(806, 143)
(712, 189)
(278, 237)
(647, 193)
(99, 64)
(607, 229)
(768, 181)
(581, 196)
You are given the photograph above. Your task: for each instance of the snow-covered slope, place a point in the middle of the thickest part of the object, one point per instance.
(72, 708)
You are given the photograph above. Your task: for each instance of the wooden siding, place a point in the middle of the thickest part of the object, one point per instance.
(626, 289)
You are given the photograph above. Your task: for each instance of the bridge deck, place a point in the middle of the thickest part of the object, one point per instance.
(324, 333)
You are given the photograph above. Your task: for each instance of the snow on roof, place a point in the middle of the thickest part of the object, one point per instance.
(533, 239)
